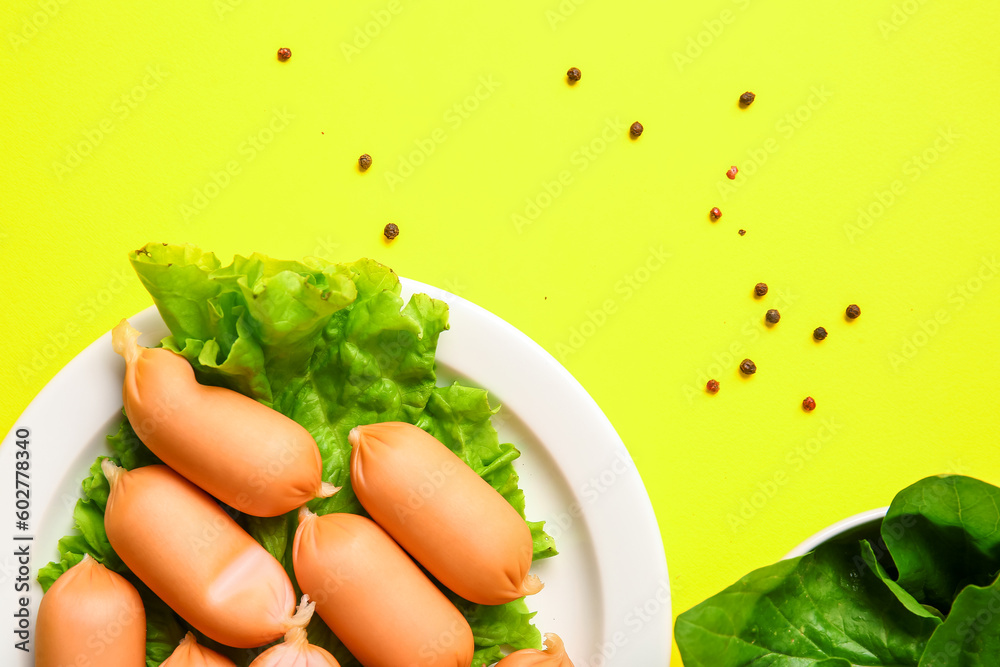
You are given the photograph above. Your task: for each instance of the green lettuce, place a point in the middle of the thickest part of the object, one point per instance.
(164, 629)
(332, 346)
(88, 518)
(925, 594)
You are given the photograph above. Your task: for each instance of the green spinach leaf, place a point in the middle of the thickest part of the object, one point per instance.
(970, 636)
(944, 533)
(817, 610)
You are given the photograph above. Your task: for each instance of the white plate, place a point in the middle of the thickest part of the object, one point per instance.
(606, 593)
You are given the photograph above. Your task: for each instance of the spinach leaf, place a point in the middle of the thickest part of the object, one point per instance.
(871, 561)
(819, 610)
(970, 636)
(944, 533)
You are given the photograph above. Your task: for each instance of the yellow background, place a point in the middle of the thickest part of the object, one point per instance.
(119, 120)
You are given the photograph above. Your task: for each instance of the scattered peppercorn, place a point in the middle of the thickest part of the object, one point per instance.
(731, 174)
(742, 232)
(853, 312)
(365, 161)
(712, 386)
(636, 129)
(747, 98)
(808, 404)
(391, 231)
(760, 289)
(772, 316)
(819, 333)
(715, 213)
(284, 54)
(748, 367)
(573, 74)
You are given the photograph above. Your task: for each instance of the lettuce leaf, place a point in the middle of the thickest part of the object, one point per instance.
(88, 518)
(163, 627)
(495, 626)
(332, 346)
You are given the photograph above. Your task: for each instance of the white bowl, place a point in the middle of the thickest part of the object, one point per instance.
(856, 523)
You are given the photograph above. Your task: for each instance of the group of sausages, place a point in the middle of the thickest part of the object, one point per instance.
(358, 574)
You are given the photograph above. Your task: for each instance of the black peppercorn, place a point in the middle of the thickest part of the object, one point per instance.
(747, 98)
(760, 289)
(819, 333)
(391, 231)
(365, 161)
(742, 232)
(284, 54)
(773, 316)
(748, 367)
(573, 74)
(853, 312)
(636, 129)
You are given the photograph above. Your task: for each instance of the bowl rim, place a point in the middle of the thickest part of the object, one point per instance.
(836, 529)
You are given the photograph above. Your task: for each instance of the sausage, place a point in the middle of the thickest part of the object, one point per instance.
(554, 655)
(91, 616)
(189, 653)
(247, 455)
(445, 515)
(374, 598)
(296, 651)
(182, 545)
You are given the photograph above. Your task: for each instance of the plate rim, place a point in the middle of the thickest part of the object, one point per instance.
(639, 529)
